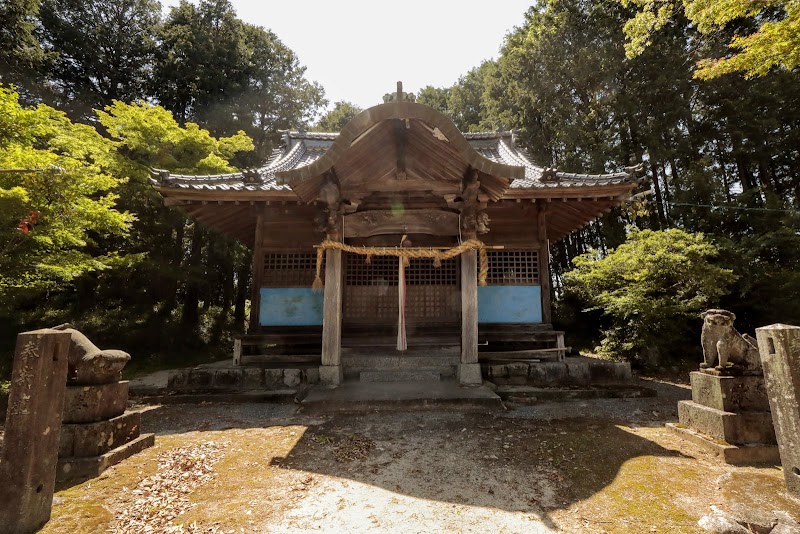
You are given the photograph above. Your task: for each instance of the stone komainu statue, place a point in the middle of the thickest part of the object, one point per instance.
(89, 365)
(725, 348)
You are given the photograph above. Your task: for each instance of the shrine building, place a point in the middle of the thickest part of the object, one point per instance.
(427, 238)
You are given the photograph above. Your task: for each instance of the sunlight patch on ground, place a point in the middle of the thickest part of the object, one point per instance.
(338, 505)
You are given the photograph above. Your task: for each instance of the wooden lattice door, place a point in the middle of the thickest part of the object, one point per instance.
(370, 291)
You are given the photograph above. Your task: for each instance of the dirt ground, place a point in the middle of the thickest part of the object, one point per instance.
(579, 466)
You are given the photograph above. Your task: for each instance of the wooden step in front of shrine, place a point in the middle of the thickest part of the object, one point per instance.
(497, 342)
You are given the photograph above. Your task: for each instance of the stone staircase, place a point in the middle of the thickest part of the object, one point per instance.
(385, 364)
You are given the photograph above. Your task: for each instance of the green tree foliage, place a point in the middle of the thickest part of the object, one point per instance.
(773, 41)
(338, 117)
(720, 155)
(435, 97)
(466, 101)
(101, 51)
(228, 75)
(150, 135)
(652, 289)
(57, 199)
(173, 247)
(19, 49)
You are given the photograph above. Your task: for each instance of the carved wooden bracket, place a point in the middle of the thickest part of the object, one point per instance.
(474, 219)
(330, 193)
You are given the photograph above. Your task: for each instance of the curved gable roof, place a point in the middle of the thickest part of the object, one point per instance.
(362, 124)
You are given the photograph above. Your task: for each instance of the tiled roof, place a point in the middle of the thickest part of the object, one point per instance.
(303, 148)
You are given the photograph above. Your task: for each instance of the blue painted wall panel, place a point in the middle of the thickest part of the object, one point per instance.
(510, 304)
(290, 306)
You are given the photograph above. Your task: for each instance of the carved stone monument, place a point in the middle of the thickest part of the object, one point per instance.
(97, 431)
(729, 413)
(33, 427)
(780, 355)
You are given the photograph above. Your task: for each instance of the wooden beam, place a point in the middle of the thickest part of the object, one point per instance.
(584, 191)
(400, 141)
(469, 307)
(258, 271)
(381, 222)
(544, 263)
(332, 310)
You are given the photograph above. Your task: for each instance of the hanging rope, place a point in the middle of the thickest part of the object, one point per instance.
(436, 255)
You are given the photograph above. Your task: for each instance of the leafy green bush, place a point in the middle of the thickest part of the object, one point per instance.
(650, 290)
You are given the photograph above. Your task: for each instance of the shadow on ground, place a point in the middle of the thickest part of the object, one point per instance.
(534, 460)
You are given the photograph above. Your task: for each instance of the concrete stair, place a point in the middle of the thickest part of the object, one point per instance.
(379, 364)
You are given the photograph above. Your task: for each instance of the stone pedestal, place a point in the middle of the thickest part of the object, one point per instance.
(331, 375)
(97, 432)
(730, 416)
(469, 374)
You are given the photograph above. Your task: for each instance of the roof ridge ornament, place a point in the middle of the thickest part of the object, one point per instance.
(252, 176)
(399, 96)
(549, 174)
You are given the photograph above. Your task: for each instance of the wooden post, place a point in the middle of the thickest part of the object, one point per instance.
(331, 370)
(779, 348)
(544, 262)
(258, 271)
(33, 430)
(469, 371)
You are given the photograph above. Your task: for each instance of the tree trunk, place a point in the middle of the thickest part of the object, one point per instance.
(190, 317)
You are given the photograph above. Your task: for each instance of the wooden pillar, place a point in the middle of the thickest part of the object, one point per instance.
(33, 430)
(258, 270)
(469, 370)
(544, 262)
(331, 371)
(779, 348)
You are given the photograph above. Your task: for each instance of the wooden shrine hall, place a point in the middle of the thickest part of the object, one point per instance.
(425, 235)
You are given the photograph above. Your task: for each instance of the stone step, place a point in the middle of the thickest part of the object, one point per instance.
(416, 375)
(735, 428)
(359, 397)
(72, 469)
(354, 373)
(379, 361)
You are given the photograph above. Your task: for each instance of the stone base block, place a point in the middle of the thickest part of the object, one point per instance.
(85, 468)
(469, 374)
(231, 379)
(732, 428)
(573, 371)
(93, 439)
(730, 393)
(331, 375)
(88, 404)
(751, 454)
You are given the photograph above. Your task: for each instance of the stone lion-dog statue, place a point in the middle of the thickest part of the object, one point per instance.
(725, 349)
(88, 365)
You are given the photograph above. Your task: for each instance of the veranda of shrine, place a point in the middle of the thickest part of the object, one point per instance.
(399, 180)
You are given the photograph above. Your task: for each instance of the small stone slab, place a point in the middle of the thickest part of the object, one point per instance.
(416, 375)
(735, 428)
(73, 468)
(752, 454)
(93, 439)
(88, 404)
